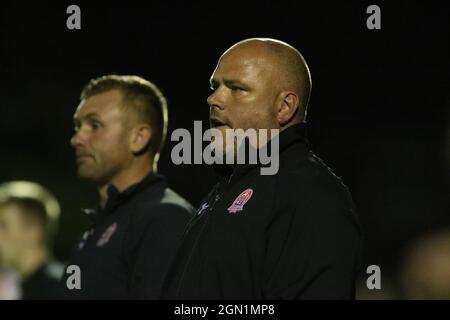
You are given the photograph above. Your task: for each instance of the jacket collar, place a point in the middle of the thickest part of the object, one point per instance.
(294, 134)
(116, 198)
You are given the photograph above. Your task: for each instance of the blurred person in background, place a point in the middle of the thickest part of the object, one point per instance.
(426, 268)
(425, 273)
(120, 128)
(28, 222)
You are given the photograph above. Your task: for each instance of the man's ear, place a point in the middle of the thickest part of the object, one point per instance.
(287, 107)
(140, 138)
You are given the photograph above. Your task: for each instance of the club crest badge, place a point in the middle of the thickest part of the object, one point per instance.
(107, 235)
(240, 201)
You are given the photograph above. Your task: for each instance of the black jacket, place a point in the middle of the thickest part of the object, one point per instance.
(127, 252)
(43, 284)
(292, 235)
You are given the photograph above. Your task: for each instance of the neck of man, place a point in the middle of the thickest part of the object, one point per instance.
(134, 174)
(294, 121)
(30, 261)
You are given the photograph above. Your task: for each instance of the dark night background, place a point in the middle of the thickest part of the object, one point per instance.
(378, 114)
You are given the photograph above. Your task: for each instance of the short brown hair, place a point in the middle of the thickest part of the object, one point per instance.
(141, 96)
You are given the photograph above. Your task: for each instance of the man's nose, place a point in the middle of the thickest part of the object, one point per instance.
(77, 139)
(215, 99)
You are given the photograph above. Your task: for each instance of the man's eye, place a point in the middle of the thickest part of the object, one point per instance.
(76, 127)
(234, 88)
(95, 125)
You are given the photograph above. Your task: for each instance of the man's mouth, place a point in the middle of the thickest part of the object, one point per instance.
(217, 123)
(81, 156)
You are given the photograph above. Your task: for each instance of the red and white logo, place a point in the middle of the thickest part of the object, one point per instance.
(240, 201)
(107, 235)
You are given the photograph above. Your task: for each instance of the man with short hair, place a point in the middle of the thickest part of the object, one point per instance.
(290, 235)
(120, 128)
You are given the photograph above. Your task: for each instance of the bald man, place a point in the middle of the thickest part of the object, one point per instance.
(290, 235)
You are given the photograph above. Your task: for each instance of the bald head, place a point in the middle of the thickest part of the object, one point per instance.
(282, 62)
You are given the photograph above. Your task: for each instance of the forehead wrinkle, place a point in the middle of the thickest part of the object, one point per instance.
(101, 106)
(240, 68)
(86, 116)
